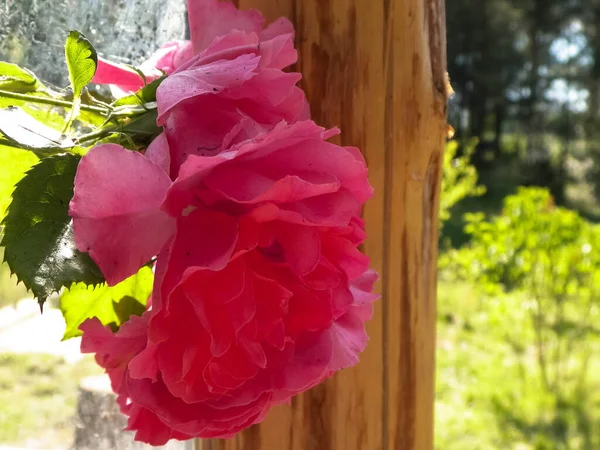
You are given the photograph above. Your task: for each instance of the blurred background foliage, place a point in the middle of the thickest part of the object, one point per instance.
(519, 280)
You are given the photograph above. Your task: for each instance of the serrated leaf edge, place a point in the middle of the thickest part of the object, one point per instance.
(55, 289)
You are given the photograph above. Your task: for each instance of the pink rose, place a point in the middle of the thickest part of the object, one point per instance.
(260, 289)
(233, 90)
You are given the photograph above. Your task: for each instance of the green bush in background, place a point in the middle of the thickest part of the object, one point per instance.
(529, 345)
(459, 178)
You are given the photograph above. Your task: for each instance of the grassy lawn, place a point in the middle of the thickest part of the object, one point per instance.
(489, 392)
(38, 398)
(473, 366)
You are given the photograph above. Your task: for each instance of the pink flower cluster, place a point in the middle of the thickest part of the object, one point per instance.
(260, 290)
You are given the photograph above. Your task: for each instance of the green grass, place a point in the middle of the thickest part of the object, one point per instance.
(489, 392)
(38, 398)
(474, 366)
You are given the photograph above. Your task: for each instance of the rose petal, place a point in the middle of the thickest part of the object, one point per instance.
(223, 301)
(183, 192)
(115, 351)
(309, 365)
(207, 122)
(267, 87)
(158, 152)
(278, 52)
(190, 418)
(212, 18)
(349, 339)
(333, 210)
(227, 47)
(350, 259)
(282, 26)
(301, 246)
(145, 364)
(124, 77)
(243, 184)
(150, 429)
(168, 57)
(116, 210)
(205, 239)
(204, 80)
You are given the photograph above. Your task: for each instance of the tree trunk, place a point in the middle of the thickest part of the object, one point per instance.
(498, 125)
(377, 70)
(535, 56)
(593, 81)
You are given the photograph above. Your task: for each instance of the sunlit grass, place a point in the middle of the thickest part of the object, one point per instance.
(38, 398)
(489, 395)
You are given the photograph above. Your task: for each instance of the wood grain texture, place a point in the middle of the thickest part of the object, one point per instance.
(377, 70)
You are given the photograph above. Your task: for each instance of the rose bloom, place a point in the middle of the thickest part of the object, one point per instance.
(260, 289)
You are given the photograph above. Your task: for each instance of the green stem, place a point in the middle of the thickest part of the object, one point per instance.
(7, 143)
(51, 101)
(102, 132)
(133, 110)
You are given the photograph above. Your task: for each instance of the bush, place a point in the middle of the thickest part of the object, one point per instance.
(459, 178)
(544, 261)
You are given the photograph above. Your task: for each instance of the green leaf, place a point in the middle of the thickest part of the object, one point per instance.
(42, 152)
(52, 107)
(139, 72)
(14, 163)
(28, 133)
(134, 133)
(147, 94)
(38, 232)
(112, 305)
(15, 78)
(82, 61)
(143, 129)
(117, 138)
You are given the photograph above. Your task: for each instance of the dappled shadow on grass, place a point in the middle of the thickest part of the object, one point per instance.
(549, 431)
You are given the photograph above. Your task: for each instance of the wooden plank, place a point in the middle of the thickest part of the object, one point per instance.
(377, 70)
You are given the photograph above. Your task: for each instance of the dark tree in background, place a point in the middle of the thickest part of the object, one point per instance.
(527, 80)
(484, 63)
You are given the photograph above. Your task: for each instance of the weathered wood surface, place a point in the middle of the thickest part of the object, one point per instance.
(377, 70)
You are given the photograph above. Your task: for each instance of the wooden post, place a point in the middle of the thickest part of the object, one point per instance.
(376, 68)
